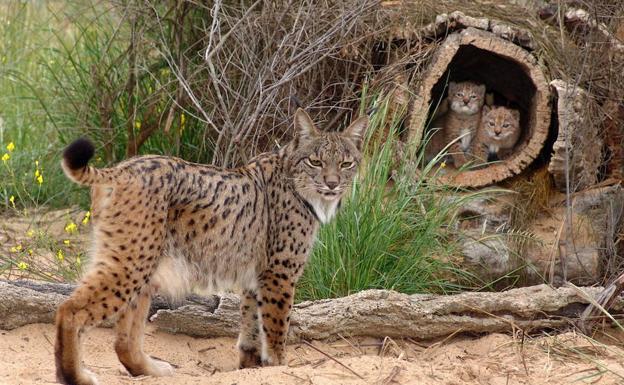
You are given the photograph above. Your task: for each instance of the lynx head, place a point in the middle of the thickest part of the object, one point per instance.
(466, 97)
(500, 126)
(323, 164)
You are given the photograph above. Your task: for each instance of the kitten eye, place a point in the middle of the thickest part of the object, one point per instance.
(315, 162)
(459, 94)
(346, 164)
(506, 125)
(473, 96)
(491, 124)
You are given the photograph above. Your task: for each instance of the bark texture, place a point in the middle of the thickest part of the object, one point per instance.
(509, 71)
(375, 313)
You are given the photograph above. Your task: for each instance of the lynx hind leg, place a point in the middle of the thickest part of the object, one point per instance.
(249, 344)
(129, 243)
(91, 303)
(130, 330)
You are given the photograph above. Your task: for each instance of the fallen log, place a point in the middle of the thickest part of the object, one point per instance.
(375, 313)
(25, 302)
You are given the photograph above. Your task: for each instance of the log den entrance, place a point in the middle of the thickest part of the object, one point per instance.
(512, 79)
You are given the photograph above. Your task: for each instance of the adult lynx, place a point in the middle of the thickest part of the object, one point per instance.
(164, 224)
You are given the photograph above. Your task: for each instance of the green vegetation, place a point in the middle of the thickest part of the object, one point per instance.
(395, 236)
(63, 73)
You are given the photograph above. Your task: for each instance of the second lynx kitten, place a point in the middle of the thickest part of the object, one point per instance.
(465, 100)
(498, 133)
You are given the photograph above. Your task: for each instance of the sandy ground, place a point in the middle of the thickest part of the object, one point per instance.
(26, 357)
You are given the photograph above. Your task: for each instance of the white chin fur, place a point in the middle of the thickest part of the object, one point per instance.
(325, 209)
(463, 109)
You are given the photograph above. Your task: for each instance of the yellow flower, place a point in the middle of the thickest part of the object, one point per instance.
(60, 256)
(40, 179)
(30, 233)
(37, 173)
(182, 119)
(6, 157)
(443, 164)
(10, 146)
(85, 220)
(78, 261)
(30, 251)
(22, 265)
(16, 249)
(137, 124)
(66, 242)
(71, 228)
(12, 200)
(37, 163)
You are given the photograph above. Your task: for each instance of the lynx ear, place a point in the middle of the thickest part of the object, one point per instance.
(486, 109)
(356, 130)
(515, 114)
(451, 87)
(304, 126)
(481, 89)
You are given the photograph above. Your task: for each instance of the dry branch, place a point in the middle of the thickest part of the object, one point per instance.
(376, 313)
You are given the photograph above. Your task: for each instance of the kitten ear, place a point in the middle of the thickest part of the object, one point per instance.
(356, 130)
(515, 114)
(481, 89)
(452, 86)
(486, 109)
(304, 125)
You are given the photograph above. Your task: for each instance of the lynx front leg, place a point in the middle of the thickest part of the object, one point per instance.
(249, 345)
(274, 304)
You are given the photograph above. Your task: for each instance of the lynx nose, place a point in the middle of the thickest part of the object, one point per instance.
(466, 100)
(331, 182)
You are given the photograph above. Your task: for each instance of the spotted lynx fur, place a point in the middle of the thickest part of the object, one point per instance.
(498, 133)
(165, 225)
(461, 119)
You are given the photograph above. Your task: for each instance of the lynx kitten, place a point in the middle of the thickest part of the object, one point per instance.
(465, 101)
(163, 224)
(498, 133)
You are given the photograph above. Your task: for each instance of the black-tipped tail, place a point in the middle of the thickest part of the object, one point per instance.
(78, 154)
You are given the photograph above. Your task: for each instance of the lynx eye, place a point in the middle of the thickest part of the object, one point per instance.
(473, 96)
(347, 164)
(459, 94)
(506, 125)
(314, 162)
(491, 124)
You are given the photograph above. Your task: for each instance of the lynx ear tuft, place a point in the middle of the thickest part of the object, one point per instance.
(304, 126)
(356, 130)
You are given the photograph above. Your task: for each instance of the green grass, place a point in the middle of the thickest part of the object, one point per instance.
(397, 236)
(61, 63)
(64, 70)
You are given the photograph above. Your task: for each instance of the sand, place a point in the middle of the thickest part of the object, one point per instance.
(26, 357)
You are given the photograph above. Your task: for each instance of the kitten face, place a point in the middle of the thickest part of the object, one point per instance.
(466, 97)
(501, 125)
(324, 164)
